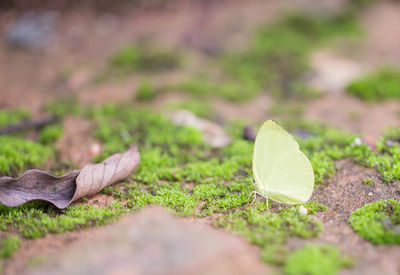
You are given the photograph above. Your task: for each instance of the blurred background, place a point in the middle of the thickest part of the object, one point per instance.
(326, 60)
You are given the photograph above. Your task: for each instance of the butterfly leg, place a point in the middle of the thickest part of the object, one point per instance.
(255, 193)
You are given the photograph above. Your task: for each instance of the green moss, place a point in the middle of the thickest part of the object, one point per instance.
(64, 106)
(315, 260)
(145, 91)
(278, 56)
(197, 107)
(324, 146)
(182, 173)
(50, 134)
(268, 230)
(18, 153)
(143, 58)
(359, 4)
(368, 181)
(282, 109)
(10, 117)
(120, 126)
(378, 222)
(388, 162)
(230, 89)
(175, 155)
(36, 220)
(276, 60)
(276, 254)
(9, 246)
(377, 86)
(36, 260)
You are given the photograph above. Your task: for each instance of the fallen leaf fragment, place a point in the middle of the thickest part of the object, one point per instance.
(61, 191)
(38, 185)
(213, 134)
(95, 177)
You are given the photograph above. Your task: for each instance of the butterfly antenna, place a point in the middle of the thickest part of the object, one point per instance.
(244, 173)
(241, 172)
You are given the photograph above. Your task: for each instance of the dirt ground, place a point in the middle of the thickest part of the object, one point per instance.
(79, 47)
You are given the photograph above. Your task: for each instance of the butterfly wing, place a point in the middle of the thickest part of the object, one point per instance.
(282, 172)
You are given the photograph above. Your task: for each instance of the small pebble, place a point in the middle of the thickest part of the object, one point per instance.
(389, 143)
(249, 133)
(357, 142)
(95, 149)
(303, 211)
(370, 194)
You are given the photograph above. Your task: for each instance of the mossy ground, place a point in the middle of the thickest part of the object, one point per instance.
(314, 260)
(8, 246)
(36, 220)
(378, 222)
(276, 60)
(140, 58)
(381, 85)
(17, 152)
(9, 117)
(181, 172)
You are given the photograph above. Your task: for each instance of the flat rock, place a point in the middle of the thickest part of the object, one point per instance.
(156, 242)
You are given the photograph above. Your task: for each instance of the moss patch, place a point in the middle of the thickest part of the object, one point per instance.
(276, 59)
(378, 222)
(64, 106)
(10, 117)
(50, 133)
(377, 86)
(278, 56)
(179, 171)
(324, 145)
(269, 230)
(18, 153)
(143, 58)
(197, 107)
(315, 260)
(182, 173)
(9, 246)
(36, 220)
(229, 89)
(146, 91)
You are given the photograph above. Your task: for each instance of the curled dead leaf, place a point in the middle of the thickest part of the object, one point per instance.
(95, 177)
(61, 191)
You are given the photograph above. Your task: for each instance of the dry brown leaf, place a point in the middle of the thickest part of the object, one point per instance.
(95, 177)
(36, 185)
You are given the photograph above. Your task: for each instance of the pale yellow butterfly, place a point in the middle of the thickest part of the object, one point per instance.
(281, 171)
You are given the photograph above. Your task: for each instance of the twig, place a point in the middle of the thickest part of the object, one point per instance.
(28, 124)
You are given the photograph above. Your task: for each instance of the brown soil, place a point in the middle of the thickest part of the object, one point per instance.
(351, 114)
(76, 146)
(343, 193)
